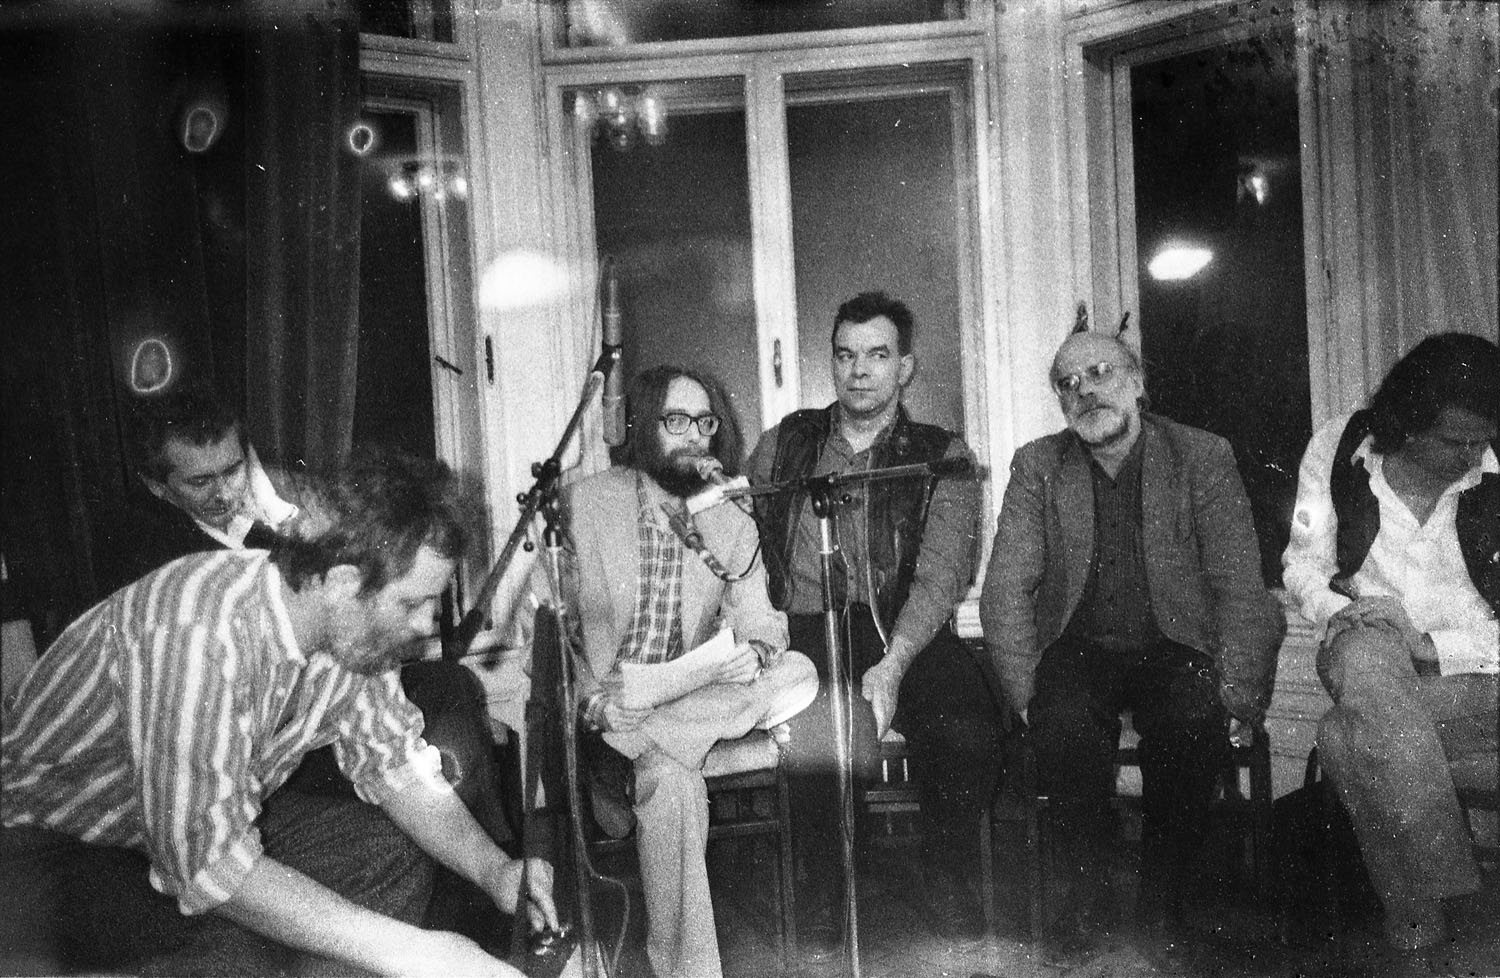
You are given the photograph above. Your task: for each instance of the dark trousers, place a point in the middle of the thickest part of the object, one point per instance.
(92, 907)
(1074, 723)
(949, 715)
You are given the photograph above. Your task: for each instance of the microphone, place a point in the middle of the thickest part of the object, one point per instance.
(613, 402)
(711, 470)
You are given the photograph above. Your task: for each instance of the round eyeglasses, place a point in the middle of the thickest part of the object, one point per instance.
(677, 423)
(1096, 373)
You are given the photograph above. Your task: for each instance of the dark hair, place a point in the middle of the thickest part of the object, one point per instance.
(374, 513)
(193, 414)
(644, 401)
(1458, 370)
(866, 306)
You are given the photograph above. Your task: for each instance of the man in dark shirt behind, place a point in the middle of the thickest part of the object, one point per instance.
(908, 553)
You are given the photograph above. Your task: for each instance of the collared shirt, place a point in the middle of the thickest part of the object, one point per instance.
(654, 634)
(162, 718)
(945, 564)
(262, 505)
(1115, 610)
(1419, 564)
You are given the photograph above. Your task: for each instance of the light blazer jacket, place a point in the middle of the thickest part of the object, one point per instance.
(1201, 553)
(602, 525)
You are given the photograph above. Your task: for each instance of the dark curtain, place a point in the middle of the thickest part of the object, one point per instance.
(243, 259)
(302, 235)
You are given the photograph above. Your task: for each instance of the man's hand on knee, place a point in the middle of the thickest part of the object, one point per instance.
(881, 685)
(1385, 614)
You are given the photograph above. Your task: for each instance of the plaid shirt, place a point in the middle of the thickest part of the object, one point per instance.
(655, 631)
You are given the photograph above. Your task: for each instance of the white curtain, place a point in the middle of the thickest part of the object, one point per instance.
(1410, 104)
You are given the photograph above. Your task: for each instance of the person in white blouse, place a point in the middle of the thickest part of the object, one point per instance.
(1395, 556)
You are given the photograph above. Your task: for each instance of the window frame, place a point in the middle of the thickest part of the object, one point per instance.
(1100, 50)
(426, 73)
(762, 69)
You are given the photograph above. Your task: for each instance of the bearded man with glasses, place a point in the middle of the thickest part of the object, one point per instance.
(1125, 575)
(650, 579)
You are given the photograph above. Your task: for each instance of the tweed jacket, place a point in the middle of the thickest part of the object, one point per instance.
(602, 515)
(1201, 554)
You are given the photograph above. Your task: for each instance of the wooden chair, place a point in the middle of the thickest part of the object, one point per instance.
(892, 801)
(736, 772)
(1244, 795)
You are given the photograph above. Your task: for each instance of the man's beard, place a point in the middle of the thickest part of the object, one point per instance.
(361, 647)
(1102, 427)
(676, 472)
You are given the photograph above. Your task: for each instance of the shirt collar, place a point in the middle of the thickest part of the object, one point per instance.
(1375, 464)
(836, 430)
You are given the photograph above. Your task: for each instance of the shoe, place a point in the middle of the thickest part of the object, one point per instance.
(1083, 929)
(1413, 925)
(819, 937)
(1165, 942)
(611, 782)
(952, 907)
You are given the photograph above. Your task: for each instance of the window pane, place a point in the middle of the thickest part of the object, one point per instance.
(676, 219)
(425, 20)
(1217, 168)
(876, 205)
(393, 396)
(602, 23)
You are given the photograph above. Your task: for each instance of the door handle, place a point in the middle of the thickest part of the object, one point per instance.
(776, 362)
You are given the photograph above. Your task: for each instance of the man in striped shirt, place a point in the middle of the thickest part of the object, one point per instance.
(160, 721)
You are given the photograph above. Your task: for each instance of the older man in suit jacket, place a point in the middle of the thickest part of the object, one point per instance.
(1125, 575)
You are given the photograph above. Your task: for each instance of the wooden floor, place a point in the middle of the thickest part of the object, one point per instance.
(1240, 934)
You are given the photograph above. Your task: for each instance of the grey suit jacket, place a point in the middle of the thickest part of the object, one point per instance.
(1202, 559)
(602, 520)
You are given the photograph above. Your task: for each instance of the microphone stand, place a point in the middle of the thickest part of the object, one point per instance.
(826, 493)
(825, 498)
(542, 497)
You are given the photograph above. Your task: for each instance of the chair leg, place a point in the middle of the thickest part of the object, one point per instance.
(987, 872)
(1036, 870)
(1261, 796)
(786, 926)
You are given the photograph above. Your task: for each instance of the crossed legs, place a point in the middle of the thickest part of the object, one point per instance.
(1392, 744)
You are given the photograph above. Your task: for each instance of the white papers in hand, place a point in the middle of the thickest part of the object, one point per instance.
(646, 685)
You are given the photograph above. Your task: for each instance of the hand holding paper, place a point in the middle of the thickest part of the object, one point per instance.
(715, 661)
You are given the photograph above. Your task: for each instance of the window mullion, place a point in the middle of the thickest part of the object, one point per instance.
(771, 242)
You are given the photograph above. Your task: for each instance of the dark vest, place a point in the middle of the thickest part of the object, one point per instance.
(1358, 512)
(897, 507)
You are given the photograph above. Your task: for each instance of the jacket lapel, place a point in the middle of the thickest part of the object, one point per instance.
(1159, 494)
(1075, 504)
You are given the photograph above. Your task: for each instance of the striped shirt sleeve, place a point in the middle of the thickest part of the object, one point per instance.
(190, 736)
(380, 747)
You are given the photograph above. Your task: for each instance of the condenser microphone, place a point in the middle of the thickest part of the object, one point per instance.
(711, 471)
(613, 402)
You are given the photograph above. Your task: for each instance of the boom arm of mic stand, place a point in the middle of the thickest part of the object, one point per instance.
(547, 474)
(946, 468)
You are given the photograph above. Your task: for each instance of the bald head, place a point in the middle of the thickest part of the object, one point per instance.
(1099, 385)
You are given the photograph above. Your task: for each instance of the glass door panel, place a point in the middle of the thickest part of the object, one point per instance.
(1216, 156)
(879, 203)
(675, 217)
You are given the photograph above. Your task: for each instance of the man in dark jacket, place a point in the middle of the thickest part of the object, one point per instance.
(907, 558)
